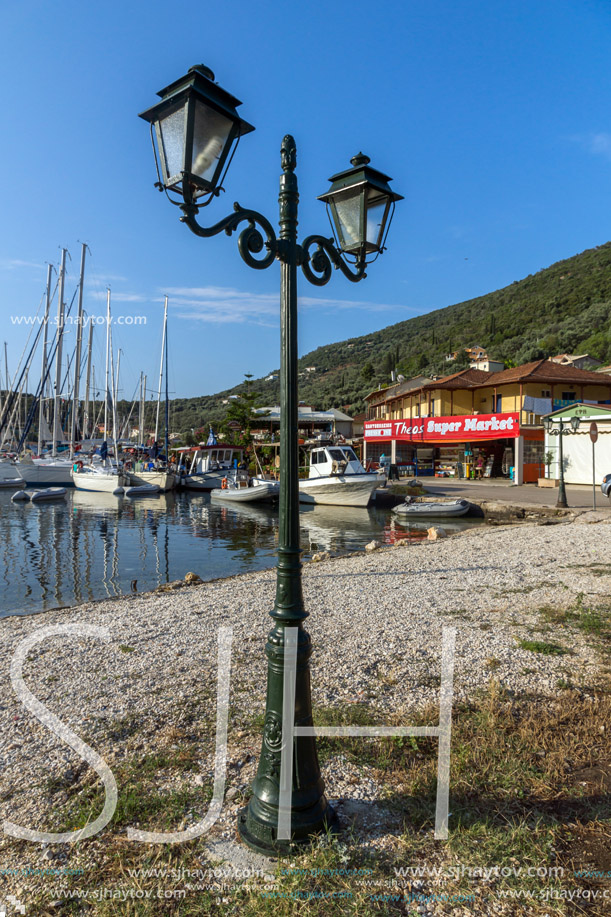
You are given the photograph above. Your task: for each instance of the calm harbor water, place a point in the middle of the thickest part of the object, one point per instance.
(93, 545)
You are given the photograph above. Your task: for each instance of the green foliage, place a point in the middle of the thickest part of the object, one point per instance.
(241, 416)
(563, 308)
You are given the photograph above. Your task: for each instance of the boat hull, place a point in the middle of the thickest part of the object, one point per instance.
(100, 483)
(12, 482)
(432, 510)
(51, 493)
(204, 482)
(263, 492)
(163, 479)
(143, 490)
(339, 490)
(43, 474)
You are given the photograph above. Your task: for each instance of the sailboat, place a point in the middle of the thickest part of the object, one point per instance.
(162, 478)
(103, 476)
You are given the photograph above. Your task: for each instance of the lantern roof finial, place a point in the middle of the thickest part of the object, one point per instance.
(205, 71)
(360, 160)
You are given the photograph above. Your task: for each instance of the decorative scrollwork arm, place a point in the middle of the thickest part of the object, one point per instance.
(317, 267)
(250, 240)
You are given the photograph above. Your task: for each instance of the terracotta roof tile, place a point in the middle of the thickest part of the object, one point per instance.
(545, 371)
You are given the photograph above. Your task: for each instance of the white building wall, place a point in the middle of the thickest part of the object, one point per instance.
(577, 449)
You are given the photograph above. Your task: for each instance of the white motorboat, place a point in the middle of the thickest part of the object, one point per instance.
(209, 465)
(256, 490)
(49, 493)
(143, 490)
(337, 478)
(433, 508)
(99, 478)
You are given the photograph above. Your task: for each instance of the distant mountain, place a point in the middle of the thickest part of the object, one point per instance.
(563, 308)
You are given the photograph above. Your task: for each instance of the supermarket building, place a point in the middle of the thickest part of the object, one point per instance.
(475, 422)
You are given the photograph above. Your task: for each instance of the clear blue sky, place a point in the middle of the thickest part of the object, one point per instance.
(492, 118)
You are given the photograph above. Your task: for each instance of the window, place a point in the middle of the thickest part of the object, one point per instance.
(546, 393)
(350, 455)
(568, 396)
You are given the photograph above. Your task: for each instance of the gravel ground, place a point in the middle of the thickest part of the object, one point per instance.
(375, 620)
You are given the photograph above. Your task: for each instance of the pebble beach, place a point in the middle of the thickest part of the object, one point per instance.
(376, 623)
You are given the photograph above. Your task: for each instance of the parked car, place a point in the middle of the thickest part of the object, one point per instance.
(606, 486)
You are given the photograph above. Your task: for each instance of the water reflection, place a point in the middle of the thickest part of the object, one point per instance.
(94, 545)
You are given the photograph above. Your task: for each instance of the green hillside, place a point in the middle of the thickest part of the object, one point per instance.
(563, 308)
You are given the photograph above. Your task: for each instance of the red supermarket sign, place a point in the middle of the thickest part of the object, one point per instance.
(445, 429)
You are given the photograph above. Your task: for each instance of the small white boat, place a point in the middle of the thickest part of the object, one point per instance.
(255, 491)
(432, 508)
(22, 496)
(337, 478)
(12, 482)
(143, 490)
(49, 493)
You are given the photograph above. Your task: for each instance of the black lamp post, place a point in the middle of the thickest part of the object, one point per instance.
(197, 129)
(548, 424)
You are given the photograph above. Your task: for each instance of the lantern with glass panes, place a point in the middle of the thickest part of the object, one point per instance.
(361, 205)
(197, 129)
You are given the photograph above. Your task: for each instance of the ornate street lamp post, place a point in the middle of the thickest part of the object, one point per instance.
(548, 423)
(197, 128)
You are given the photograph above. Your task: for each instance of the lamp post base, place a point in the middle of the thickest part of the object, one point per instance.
(262, 836)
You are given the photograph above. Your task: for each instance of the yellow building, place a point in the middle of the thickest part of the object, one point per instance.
(496, 419)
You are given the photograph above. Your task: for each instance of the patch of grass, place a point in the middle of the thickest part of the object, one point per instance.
(543, 647)
(514, 801)
(594, 623)
(126, 649)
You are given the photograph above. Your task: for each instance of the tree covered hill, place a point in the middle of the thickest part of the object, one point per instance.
(563, 308)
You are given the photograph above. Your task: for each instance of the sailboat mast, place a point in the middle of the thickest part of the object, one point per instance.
(116, 398)
(167, 403)
(143, 440)
(112, 390)
(58, 355)
(87, 386)
(43, 371)
(165, 322)
(107, 362)
(77, 358)
(141, 410)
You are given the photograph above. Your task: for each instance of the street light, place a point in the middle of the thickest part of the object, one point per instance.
(548, 425)
(197, 128)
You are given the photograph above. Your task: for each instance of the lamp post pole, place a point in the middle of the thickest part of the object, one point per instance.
(561, 503)
(310, 812)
